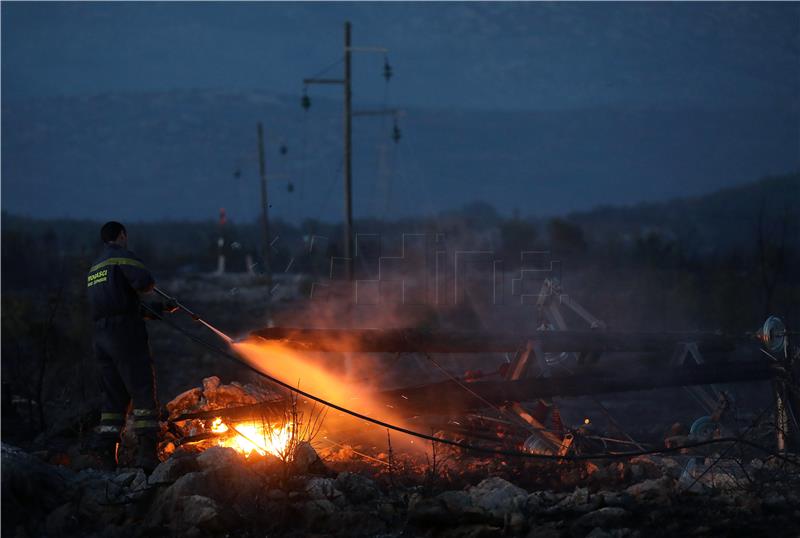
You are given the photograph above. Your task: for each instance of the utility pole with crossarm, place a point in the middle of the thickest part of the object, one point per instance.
(348, 132)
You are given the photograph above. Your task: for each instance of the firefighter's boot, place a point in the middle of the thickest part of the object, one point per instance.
(104, 442)
(145, 426)
(102, 452)
(147, 452)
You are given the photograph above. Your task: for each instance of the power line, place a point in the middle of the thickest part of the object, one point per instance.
(328, 68)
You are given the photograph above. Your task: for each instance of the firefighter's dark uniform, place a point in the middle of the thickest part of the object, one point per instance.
(122, 350)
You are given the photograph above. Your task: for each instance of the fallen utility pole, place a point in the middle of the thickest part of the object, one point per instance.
(449, 395)
(423, 341)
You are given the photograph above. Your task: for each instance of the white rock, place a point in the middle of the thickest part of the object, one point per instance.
(172, 469)
(651, 489)
(498, 496)
(607, 517)
(218, 456)
(358, 488)
(324, 489)
(305, 457)
(316, 512)
(210, 383)
(201, 511)
(456, 501)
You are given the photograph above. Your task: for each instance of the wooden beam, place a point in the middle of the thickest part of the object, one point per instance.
(271, 409)
(448, 396)
(418, 340)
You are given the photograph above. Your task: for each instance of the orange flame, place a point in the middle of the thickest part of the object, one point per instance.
(299, 369)
(247, 437)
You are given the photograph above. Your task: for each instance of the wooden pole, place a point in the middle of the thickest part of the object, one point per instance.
(347, 162)
(264, 216)
(348, 152)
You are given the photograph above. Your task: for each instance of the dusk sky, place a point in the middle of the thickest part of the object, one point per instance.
(486, 55)
(547, 108)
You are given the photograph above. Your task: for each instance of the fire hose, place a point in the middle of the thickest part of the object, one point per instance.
(432, 438)
(193, 315)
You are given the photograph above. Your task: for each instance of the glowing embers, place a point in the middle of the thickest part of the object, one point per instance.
(255, 436)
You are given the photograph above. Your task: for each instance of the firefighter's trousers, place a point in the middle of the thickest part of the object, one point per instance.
(127, 378)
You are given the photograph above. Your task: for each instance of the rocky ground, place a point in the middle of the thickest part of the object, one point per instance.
(218, 492)
(48, 490)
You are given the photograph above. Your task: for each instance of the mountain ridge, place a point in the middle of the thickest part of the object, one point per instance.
(176, 154)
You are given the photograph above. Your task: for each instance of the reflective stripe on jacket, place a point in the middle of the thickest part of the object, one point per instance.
(113, 282)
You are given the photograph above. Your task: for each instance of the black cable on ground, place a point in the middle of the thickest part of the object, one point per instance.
(471, 448)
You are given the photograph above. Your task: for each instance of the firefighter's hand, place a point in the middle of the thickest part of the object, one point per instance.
(171, 306)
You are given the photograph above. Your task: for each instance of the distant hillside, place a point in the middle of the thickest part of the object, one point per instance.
(176, 155)
(721, 221)
(717, 221)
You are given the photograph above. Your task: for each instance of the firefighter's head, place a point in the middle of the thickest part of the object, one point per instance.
(115, 233)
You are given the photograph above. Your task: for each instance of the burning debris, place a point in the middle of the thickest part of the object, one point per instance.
(249, 437)
(246, 418)
(250, 419)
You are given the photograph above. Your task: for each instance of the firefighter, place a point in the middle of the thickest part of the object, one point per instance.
(114, 284)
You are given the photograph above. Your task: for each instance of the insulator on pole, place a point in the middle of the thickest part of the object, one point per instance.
(396, 133)
(305, 101)
(387, 69)
(284, 150)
